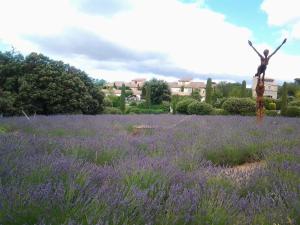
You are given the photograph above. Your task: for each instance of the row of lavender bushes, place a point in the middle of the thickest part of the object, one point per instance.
(102, 170)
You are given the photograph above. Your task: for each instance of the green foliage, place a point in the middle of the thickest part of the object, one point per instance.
(137, 110)
(112, 110)
(293, 111)
(230, 155)
(37, 84)
(104, 157)
(116, 100)
(148, 96)
(267, 102)
(209, 91)
(218, 112)
(242, 106)
(182, 106)
(272, 106)
(295, 103)
(122, 99)
(143, 179)
(160, 91)
(271, 113)
(196, 95)
(199, 108)
(107, 102)
(284, 100)
(244, 90)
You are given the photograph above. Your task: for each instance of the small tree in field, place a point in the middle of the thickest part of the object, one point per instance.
(122, 100)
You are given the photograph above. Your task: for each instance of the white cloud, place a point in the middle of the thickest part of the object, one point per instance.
(284, 14)
(189, 36)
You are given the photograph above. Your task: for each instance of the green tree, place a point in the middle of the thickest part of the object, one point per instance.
(209, 91)
(196, 95)
(39, 84)
(160, 91)
(284, 98)
(122, 100)
(244, 89)
(148, 96)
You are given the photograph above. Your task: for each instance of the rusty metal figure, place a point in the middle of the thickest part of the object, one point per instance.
(260, 86)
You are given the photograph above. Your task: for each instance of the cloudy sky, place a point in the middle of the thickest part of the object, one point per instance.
(168, 39)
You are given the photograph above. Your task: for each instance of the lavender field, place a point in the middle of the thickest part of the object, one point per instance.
(108, 169)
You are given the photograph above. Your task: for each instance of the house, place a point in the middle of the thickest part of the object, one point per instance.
(271, 88)
(185, 87)
(297, 81)
(114, 88)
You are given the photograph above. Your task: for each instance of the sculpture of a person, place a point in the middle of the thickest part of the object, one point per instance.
(264, 59)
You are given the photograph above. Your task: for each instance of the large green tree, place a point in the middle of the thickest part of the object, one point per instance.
(37, 84)
(160, 91)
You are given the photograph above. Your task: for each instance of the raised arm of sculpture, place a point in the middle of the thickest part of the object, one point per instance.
(250, 43)
(278, 48)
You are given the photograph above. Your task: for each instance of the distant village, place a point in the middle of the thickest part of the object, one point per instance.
(185, 87)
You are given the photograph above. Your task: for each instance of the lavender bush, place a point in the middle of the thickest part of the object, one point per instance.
(148, 169)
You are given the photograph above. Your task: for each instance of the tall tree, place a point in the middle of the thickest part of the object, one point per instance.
(209, 90)
(122, 99)
(160, 91)
(284, 101)
(148, 96)
(244, 89)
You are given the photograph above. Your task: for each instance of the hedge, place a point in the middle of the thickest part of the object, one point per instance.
(111, 110)
(242, 106)
(199, 108)
(182, 106)
(293, 111)
(295, 103)
(271, 113)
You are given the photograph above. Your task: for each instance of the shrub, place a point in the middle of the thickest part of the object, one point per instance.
(271, 113)
(267, 102)
(278, 103)
(293, 111)
(199, 108)
(219, 112)
(112, 110)
(136, 110)
(242, 106)
(182, 106)
(107, 102)
(271, 106)
(295, 103)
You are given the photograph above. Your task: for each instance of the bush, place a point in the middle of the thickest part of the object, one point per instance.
(182, 106)
(112, 110)
(107, 102)
(278, 103)
(199, 108)
(267, 102)
(295, 103)
(271, 106)
(242, 106)
(219, 112)
(293, 111)
(136, 110)
(271, 113)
